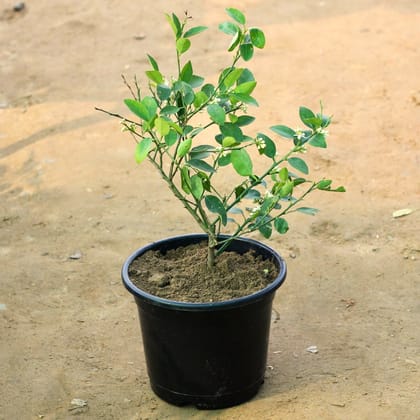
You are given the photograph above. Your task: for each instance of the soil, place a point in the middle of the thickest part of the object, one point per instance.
(73, 205)
(182, 274)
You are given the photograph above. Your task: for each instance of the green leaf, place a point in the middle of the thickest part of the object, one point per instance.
(155, 76)
(318, 141)
(201, 152)
(246, 87)
(241, 162)
(270, 147)
(268, 204)
(186, 92)
(306, 115)
(253, 195)
(232, 77)
(208, 89)
(194, 31)
(201, 165)
(266, 230)
(175, 24)
(229, 141)
(308, 210)
(186, 72)
(185, 179)
(217, 114)
(224, 160)
(257, 37)
(284, 174)
(325, 184)
(153, 62)
(162, 126)
(137, 108)
(171, 138)
(246, 51)
(339, 189)
(184, 147)
(298, 181)
(205, 180)
(283, 131)
(239, 190)
(281, 225)
(246, 76)
(196, 81)
(229, 28)
(200, 98)
(232, 130)
(142, 149)
(150, 105)
(246, 99)
(286, 189)
(183, 45)
(237, 15)
(197, 188)
(235, 41)
(169, 109)
(299, 164)
(163, 92)
(214, 205)
(244, 120)
(176, 127)
(203, 148)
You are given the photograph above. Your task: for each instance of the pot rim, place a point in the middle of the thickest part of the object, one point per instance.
(226, 304)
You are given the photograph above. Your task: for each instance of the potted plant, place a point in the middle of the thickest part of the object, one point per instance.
(204, 300)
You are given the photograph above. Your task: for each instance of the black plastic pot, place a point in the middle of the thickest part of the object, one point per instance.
(211, 355)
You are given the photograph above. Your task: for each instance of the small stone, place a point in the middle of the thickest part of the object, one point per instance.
(401, 213)
(76, 255)
(77, 403)
(18, 7)
(312, 349)
(164, 281)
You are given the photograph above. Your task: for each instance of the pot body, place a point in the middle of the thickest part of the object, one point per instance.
(211, 355)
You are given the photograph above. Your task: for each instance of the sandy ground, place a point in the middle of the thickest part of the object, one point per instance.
(69, 187)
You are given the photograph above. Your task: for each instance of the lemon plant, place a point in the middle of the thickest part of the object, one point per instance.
(169, 135)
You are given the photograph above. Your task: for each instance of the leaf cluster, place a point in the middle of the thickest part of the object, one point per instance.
(168, 136)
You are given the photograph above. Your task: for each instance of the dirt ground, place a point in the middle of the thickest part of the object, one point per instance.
(74, 205)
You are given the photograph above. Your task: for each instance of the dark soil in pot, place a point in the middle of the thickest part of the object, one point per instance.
(182, 274)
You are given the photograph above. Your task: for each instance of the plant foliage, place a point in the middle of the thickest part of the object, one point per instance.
(168, 135)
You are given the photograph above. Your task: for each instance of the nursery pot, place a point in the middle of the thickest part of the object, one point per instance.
(211, 355)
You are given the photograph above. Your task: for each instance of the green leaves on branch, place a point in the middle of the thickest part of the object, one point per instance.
(214, 205)
(325, 185)
(183, 45)
(257, 37)
(184, 147)
(170, 125)
(145, 109)
(229, 28)
(142, 149)
(298, 164)
(308, 210)
(194, 31)
(241, 162)
(216, 113)
(283, 131)
(236, 15)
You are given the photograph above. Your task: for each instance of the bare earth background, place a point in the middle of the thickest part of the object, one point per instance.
(69, 187)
